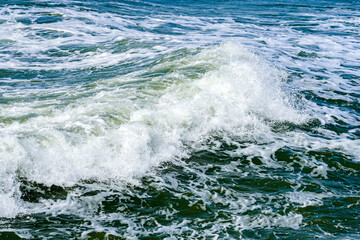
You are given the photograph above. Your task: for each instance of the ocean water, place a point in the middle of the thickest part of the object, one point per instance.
(179, 119)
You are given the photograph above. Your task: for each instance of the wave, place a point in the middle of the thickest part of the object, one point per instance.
(132, 124)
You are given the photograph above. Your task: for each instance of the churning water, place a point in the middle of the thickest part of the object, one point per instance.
(187, 120)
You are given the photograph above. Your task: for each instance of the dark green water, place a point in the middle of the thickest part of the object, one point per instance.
(185, 120)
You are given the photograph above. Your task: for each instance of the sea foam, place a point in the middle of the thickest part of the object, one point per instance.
(238, 96)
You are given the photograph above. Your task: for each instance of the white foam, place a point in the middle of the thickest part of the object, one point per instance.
(305, 199)
(76, 28)
(268, 220)
(236, 97)
(10, 155)
(120, 131)
(9, 207)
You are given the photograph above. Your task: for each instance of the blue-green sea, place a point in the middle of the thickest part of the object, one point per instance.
(154, 119)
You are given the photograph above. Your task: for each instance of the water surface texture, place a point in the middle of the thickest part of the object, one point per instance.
(179, 119)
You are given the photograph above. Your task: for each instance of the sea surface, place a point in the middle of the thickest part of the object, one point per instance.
(149, 119)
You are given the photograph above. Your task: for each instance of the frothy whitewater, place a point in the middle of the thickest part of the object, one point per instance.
(190, 120)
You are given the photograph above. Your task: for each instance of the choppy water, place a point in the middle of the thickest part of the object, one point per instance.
(185, 120)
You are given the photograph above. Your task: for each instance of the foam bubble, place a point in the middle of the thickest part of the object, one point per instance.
(9, 207)
(269, 220)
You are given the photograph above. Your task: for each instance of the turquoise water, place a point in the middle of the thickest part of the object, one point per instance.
(179, 120)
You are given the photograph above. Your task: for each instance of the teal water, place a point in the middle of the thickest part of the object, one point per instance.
(179, 120)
